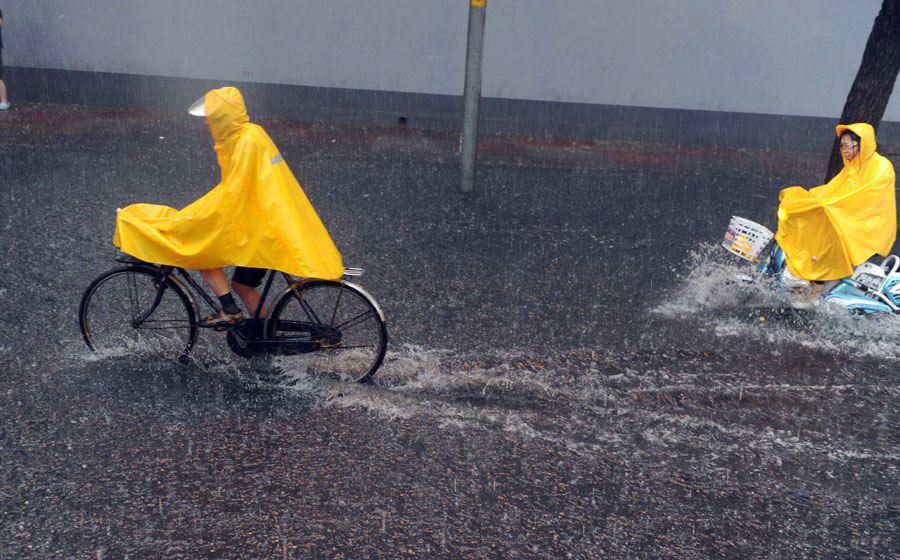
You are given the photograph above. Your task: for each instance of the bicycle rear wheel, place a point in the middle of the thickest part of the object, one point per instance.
(136, 309)
(329, 328)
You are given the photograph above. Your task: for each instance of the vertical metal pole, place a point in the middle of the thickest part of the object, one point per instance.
(472, 94)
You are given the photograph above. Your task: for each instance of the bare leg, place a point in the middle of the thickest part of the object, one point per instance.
(250, 297)
(216, 280)
(2, 92)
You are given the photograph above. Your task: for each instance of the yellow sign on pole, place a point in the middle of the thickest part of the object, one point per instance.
(479, 3)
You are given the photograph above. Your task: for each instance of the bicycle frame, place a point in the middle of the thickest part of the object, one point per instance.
(310, 315)
(196, 287)
(192, 286)
(313, 324)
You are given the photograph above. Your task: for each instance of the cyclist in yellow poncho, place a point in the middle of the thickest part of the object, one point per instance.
(830, 229)
(257, 217)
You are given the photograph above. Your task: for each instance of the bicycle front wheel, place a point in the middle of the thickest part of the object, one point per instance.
(329, 328)
(138, 310)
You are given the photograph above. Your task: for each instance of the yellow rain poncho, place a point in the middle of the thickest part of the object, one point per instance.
(257, 216)
(828, 230)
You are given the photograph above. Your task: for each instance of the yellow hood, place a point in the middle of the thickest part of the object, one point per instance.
(225, 112)
(257, 216)
(828, 230)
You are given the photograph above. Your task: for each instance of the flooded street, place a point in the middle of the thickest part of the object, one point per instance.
(571, 372)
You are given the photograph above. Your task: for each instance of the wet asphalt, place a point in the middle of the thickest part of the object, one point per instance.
(539, 399)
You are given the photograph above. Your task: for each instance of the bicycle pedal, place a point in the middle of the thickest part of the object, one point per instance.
(238, 325)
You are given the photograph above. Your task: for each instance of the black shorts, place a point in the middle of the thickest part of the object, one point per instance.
(248, 276)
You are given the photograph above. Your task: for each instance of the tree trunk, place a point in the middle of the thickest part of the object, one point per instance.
(871, 90)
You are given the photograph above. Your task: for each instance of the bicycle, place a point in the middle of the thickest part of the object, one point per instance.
(331, 327)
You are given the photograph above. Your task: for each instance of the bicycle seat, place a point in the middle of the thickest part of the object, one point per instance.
(123, 257)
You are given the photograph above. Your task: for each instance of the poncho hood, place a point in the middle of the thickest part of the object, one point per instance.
(225, 112)
(867, 145)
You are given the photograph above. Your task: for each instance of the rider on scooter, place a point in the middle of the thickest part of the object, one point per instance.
(826, 231)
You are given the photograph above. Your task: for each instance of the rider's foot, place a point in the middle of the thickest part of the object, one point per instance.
(221, 320)
(802, 299)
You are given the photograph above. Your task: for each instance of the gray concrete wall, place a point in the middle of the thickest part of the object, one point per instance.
(766, 56)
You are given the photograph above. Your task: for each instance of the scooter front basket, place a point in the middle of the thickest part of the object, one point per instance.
(746, 238)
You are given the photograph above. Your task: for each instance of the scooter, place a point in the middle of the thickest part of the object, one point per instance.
(872, 288)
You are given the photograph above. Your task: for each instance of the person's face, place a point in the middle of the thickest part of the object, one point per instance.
(848, 147)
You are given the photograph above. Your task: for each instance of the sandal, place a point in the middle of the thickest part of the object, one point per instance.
(221, 320)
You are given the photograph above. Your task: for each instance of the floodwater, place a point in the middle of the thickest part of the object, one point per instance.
(571, 372)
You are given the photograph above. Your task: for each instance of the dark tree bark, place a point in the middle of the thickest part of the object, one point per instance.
(871, 90)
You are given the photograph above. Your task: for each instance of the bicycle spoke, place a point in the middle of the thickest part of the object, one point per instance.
(349, 324)
(337, 306)
(310, 312)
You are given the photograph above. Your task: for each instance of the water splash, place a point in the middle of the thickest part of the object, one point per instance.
(715, 292)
